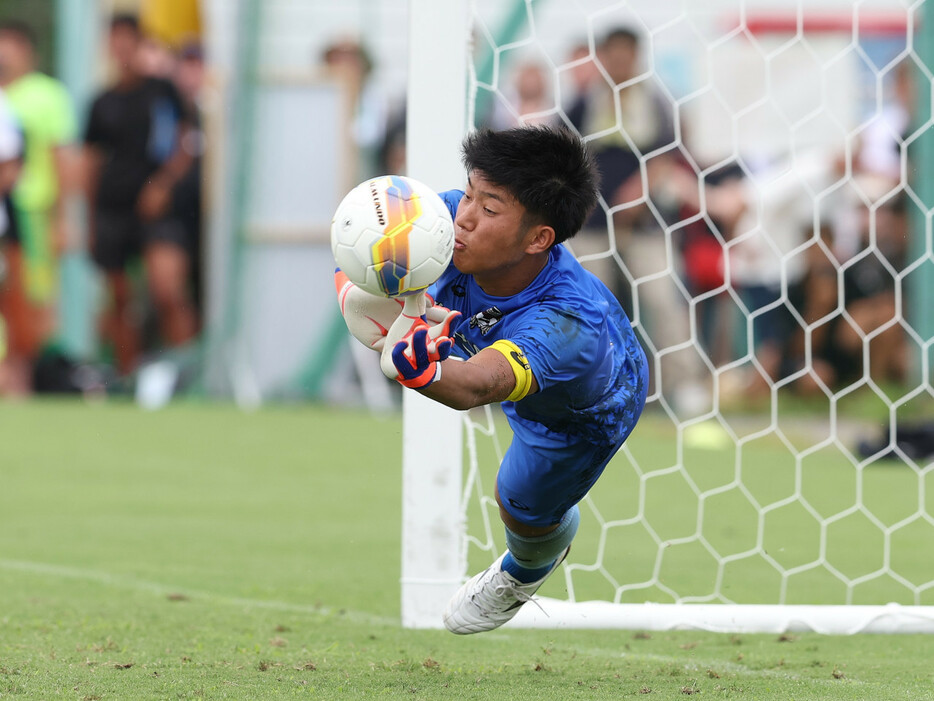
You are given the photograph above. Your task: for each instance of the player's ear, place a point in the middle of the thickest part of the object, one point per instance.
(539, 239)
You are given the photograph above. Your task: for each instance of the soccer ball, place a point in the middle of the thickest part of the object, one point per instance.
(392, 236)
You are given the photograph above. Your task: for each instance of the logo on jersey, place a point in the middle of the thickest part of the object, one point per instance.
(486, 320)
(471, 349)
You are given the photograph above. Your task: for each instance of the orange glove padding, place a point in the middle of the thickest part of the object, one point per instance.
(414, 347)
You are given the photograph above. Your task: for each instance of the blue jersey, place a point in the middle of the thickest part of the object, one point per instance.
(591, 370)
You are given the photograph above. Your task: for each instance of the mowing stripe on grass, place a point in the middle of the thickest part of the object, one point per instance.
(124, 582)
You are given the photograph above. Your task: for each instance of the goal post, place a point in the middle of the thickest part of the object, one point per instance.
(718, 517)
(433, 562)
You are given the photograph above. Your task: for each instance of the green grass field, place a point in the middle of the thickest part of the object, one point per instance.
(201, 552)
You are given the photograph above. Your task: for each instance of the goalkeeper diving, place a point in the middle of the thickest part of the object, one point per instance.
(516, 319)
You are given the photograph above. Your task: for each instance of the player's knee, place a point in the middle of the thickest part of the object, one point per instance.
(166, 291)
(515, 525)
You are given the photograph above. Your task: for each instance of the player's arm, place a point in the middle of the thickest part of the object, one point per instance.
(66, 157)
(419, 360)
(9, 172)
(66, 161)
(495, 374)
(156, 195)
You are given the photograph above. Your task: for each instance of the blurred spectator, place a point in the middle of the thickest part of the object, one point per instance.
(773, 276)
(46, 118)
(869, 299)
(631, 123)
(391, 159)
(138, 142)
(11, 153)
(877, 161)
(155, 59)
(581, 70)
(631, 117)
(879, 141)
(524, 100)
(701, 240)
(778, 219)
(349, 62)
(189, 78)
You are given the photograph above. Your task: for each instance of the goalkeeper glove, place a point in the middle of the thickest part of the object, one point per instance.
(413, 350)
(367, 316)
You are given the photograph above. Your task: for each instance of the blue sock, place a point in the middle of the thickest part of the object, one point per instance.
(530, 559)
(521, 573)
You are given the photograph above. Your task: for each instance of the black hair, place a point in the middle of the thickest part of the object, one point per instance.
(21, 30)
(125, 20)
(548, 170)
(621, 34)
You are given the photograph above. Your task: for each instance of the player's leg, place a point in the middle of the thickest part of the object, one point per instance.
(538, 488)
(41, 274)
(168, 268)
(115, 240)
(21, 342)
(118, 325)
(531, 551)
(28, 298)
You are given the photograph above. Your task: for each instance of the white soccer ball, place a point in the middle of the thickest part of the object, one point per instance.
(392, 236)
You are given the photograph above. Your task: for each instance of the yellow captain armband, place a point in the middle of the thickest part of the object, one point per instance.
(520, 366)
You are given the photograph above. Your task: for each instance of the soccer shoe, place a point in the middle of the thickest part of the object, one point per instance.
(491, 598)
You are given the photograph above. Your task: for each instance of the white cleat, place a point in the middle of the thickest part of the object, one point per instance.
(491, 598)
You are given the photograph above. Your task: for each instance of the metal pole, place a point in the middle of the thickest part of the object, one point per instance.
(920, 290)
(76, 30)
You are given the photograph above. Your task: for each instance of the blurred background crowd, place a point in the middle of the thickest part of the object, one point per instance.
(117, 182)
(756, 268)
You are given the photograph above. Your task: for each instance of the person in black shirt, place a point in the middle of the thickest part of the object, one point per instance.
(135, 155)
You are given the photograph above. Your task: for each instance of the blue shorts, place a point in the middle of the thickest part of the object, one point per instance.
(539, 482)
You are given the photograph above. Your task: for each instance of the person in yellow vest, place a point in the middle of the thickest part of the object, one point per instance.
(46, 117)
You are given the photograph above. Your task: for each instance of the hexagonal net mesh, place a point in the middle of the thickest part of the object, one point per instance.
(766, 221)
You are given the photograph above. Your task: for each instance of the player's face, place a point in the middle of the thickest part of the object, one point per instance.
(489, 229)
(15, 56)
(124, 46)
(619, 59)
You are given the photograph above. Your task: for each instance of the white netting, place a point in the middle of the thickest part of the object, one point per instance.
(766, 222)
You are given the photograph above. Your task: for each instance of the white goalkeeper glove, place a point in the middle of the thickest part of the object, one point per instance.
(369, 317)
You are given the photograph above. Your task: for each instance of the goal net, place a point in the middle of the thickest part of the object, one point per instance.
(765, 220)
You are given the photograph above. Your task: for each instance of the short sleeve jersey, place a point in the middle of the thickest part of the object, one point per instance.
(590, 368)
(46, 117)
(136, 131)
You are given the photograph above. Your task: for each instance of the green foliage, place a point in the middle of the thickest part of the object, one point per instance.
(201, 553)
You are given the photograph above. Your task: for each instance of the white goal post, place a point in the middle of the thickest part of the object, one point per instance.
(446, 453)
(433, 561)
